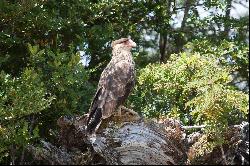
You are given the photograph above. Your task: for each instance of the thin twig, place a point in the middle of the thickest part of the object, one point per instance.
(193, 127)
(201, 127)
(183, 7)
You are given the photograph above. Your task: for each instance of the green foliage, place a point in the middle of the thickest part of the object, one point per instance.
(64, 76)
(22, 96)
(19, 98)
(52, 84)
(231, 54)
(192, 87)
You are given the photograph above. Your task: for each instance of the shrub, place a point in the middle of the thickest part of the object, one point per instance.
(192, 87)
(66, 78)
(19, 99)
(53, 84)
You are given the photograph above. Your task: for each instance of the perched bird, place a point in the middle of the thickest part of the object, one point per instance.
(115, 84)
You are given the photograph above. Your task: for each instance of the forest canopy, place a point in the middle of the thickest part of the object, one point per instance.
(191, 60)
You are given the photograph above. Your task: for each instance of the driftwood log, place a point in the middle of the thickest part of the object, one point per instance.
(128, 140)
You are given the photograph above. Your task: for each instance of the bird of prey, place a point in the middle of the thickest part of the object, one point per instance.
(115, 84)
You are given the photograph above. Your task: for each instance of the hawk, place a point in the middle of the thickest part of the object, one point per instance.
(115, 84)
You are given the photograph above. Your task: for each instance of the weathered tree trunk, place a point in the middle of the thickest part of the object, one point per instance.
(119, 140)
(132, 141)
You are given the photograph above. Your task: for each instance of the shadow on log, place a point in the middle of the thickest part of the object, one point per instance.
(128, 140)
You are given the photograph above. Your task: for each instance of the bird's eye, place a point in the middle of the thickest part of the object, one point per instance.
(126, 42)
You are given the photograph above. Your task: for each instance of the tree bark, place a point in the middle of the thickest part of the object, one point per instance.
(180, 40)
(162, 47)
(227, 19)
(188, 3)
(164, 34)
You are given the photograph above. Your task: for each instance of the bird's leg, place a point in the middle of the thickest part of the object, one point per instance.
(119, 111)
(128, 110)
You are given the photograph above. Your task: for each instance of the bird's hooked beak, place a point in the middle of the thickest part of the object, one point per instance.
(132, 43)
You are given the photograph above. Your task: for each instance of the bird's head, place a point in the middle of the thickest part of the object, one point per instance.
(123, 43)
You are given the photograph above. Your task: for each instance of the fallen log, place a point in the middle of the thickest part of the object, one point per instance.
(119, 140)
(129, 140)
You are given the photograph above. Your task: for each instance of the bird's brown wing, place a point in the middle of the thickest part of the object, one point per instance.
(114, 86)
(118, 85)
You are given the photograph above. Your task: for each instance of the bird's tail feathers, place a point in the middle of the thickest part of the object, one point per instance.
(94, 105)
(94, 121)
